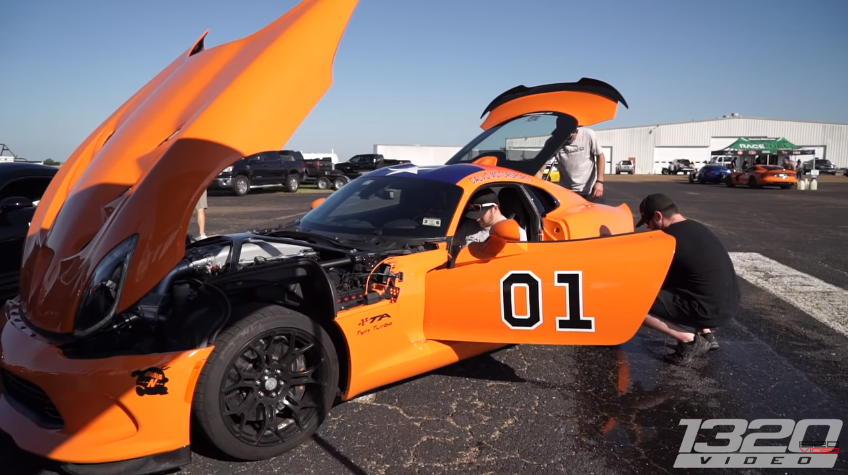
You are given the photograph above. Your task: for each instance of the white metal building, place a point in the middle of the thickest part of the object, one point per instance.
(653, 146)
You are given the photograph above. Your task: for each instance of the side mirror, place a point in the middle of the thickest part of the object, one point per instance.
(15, 202)
(316, 203)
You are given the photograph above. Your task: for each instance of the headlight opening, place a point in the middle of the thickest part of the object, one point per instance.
(103, 292)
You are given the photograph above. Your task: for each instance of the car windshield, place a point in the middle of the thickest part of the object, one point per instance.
(771, 167)
(518, 142)
(390, 206)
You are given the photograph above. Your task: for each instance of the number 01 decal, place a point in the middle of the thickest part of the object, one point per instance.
(573, 321)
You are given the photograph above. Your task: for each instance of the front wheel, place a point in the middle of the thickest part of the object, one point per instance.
(241, 185)
(268, 385)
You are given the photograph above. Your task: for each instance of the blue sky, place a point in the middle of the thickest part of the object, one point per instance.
(421, 72)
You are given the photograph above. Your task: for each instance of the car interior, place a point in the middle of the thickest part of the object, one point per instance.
(525, 204)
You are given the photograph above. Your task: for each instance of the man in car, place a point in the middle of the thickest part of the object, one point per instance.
(700, 290)
(485, 210)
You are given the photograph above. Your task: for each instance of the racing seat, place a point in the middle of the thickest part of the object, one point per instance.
(512, 206)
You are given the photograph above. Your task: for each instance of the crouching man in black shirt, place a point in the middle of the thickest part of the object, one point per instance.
(700, 290)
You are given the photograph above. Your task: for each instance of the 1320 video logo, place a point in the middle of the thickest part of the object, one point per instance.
(741, 450)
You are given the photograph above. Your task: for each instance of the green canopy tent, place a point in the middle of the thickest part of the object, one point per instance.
(767, 151)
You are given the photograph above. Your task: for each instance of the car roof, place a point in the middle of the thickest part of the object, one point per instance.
(10, 170)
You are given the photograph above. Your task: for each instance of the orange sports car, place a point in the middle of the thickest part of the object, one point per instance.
(758, 176)
(125, 335)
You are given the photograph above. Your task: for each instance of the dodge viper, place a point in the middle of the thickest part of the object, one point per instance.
(758, 176)
(710, 173)
(125, 337)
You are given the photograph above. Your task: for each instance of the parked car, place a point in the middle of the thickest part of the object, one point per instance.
(710, 173)
(624, 166)
(360, 164)
(758, 176)
(21, 187)
(266, 169)
(134, 346)
(678, 165)
(822, 165)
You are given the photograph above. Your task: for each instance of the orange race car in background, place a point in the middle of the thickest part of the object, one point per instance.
(124, 333)
(758, 176)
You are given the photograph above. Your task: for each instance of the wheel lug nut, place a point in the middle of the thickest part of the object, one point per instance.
(261, 394)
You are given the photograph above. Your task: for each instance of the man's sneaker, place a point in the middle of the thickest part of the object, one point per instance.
(711, 339)
(686, 352)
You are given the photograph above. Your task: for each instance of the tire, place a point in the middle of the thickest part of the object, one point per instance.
(323, 183)
(752, 182)
(340, 182)
(241, 185)
(729, 182)
(691, 178)
(234, 346)
(292, 182)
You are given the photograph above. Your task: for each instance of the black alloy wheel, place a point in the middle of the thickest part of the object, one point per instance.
(268, 385)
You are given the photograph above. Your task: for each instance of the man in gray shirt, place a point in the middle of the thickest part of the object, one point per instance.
(581, 165)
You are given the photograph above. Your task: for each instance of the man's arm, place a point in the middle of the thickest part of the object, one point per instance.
(602, 161)
(598, 189)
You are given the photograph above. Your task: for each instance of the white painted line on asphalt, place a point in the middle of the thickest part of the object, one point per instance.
(825, 302)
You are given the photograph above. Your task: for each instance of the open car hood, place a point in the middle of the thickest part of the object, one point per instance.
(141, 171)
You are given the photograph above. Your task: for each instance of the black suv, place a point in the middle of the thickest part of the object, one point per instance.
(264, 169)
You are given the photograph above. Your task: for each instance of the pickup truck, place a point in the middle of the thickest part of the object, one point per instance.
(822, 165)
(321, 172)
(260, 170)
(359, 164)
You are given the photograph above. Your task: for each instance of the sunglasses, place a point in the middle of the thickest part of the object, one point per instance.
(477, 207)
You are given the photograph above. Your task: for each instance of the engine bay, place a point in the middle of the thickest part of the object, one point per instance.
(201, 294)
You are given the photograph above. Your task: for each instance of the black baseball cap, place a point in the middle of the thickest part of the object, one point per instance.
(479, 205)
(651, 204)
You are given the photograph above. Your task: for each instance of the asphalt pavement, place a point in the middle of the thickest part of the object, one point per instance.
(549, 409)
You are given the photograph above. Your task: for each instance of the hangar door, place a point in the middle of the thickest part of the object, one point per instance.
(608, 168)
(664, 155)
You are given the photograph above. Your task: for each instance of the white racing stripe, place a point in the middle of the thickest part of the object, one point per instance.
(825, 302)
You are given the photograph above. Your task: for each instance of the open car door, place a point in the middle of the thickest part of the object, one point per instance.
(526, 125)
(582, 292)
